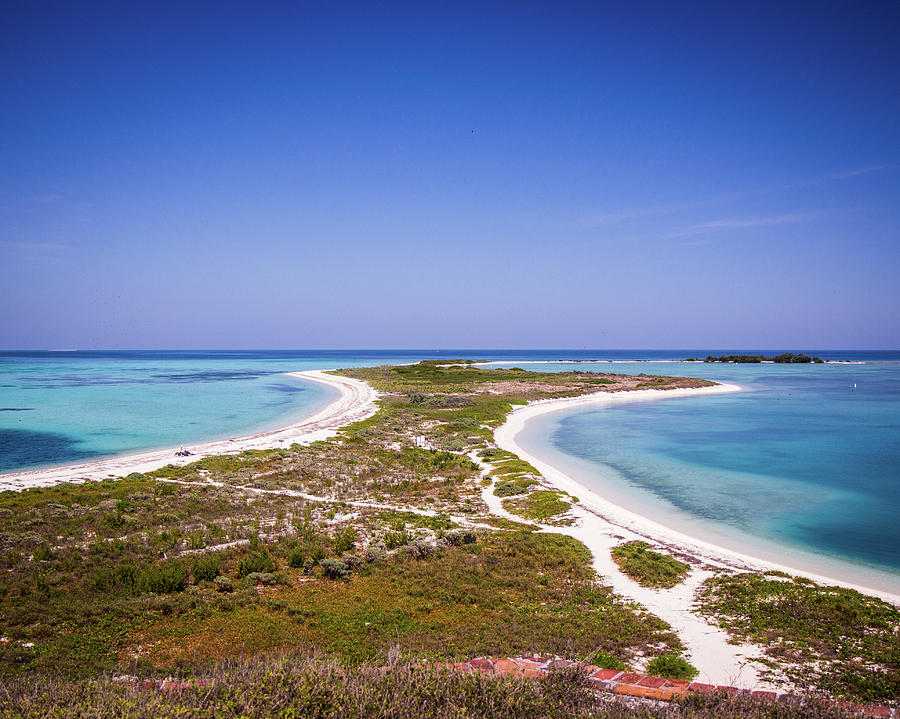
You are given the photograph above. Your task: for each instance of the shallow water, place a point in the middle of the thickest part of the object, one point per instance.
(65, 407)
(801, 459)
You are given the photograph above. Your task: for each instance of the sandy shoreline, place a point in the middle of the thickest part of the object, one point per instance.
(601, 525)
(646, 361)
(355, 402)
(611, 513)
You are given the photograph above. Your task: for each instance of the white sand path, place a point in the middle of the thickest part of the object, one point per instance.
(601, 525)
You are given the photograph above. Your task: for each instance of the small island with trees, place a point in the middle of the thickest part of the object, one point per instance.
(785, 358)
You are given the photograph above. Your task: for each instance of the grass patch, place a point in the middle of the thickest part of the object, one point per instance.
(828, 637)
(539, 505)
(671, 666)
(649, 568)
(512, 487)
(605, 660)
(512, 466)
(475, 599)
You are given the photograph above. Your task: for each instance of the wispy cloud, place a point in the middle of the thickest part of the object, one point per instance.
(32, 246)
(739, 223)
(634, 213)
(614, 218)
(861, 171)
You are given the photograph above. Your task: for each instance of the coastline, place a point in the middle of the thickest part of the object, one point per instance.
(356, 401)
(601, 516)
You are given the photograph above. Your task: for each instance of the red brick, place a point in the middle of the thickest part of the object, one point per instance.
(632, 690)
(677, 683)
(629, 678)
(482, 665)
(701, 688)
(521, 667)
(532, 658)
(654, 682)
(605, 674)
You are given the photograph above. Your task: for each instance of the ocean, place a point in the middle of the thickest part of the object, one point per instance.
(806, 459)
(802, 467)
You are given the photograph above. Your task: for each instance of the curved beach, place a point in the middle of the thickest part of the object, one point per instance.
(604, 516)
(356, 401)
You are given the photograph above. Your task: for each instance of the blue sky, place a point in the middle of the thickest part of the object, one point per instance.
(317, 175)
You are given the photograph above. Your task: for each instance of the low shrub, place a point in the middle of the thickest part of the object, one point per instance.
(394, 539)
(120, 577)
(162, 578)
(300, 687)
(206, 567)
(460, 537)
(671, 666)
(418, 549)
(649, 568)
(257, 562)
(334, 569)
(223, 584)
(512, 487)
(343, 540)
(264, 578)
(42, 553)
(604, 660)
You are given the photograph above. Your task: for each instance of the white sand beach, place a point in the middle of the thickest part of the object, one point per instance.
(601, 525)
(355, 402)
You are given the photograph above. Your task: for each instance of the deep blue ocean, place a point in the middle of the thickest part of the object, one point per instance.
(806, 458)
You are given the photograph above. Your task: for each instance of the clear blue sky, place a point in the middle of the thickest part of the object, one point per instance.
(308, 175)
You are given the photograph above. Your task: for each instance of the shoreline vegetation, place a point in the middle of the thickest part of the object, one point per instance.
(785, 358)
(411, 535)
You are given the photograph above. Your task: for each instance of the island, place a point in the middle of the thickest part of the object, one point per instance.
(411, 559)
(785, 358)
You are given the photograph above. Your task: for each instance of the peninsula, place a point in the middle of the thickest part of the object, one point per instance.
(413, 537)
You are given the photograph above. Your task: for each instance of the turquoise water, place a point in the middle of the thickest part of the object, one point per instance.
(800, 461)
(65, 407)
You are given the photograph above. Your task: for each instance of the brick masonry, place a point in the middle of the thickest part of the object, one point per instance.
(645, 686)
(632, 684)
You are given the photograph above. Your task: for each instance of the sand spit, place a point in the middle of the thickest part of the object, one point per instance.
(356, 402)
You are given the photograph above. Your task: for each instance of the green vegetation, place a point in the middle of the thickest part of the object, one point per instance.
(511, 487)
(785, 358)
(649, 568)
(457, 600)
(826, 637)
(671, 666)
(604, 660)
(361, 549)
(540, 505)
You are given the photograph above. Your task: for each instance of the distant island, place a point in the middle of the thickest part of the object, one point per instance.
(786, 358)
